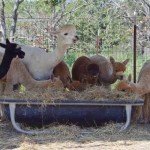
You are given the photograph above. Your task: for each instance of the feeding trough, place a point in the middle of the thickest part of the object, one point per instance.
(78, 112)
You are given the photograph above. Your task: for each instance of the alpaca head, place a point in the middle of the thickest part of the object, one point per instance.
(125, 85)
(66, 35)
(13, 49)
(119, 67)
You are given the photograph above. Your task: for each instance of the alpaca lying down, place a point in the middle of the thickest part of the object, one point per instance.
(18, 73)
(143, 84)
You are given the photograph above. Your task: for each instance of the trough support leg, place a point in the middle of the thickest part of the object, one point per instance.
(12, 107)
(2, 115)
(128, 117)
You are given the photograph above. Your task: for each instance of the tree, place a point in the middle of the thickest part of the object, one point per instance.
(2, 21)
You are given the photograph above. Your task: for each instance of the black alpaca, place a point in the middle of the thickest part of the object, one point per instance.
(11, 51)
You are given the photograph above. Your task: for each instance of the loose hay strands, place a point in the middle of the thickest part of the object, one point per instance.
(96, 93)
(72, 137)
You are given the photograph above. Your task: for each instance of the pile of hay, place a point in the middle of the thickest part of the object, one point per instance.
(96, 93)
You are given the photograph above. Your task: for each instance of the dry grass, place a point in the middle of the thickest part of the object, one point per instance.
(72, 137)
(96, 93)
(63, 137)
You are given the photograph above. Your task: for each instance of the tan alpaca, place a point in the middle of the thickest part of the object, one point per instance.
(109, 71)
(40, 63)
(19, 74)
(141, 88)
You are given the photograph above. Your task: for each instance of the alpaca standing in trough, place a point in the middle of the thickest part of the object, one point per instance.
(40, 63)
(110, 71)
(18, 73)
(11, 50)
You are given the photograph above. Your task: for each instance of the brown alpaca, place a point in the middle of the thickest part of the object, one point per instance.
(85, 71)
(110, 71)
(62, 71)
(19, 74)
(124, 86)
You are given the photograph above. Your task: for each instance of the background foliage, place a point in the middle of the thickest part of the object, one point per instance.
(113, 19)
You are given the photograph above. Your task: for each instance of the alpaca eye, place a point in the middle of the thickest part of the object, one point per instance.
(66, 34)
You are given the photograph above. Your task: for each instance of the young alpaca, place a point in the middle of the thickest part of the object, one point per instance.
(142, 86)
(62, 71)
(18, 73)
(124, 85)
(110, 71)
(11, 50)
(85, 71)
(40, 63)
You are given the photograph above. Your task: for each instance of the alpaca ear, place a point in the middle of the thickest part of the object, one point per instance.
(3, 45)
(54, 33)
(125, 62)
(112, 60)
(7, 41)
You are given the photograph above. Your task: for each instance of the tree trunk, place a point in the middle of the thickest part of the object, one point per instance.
(2, 22)
(14, 19)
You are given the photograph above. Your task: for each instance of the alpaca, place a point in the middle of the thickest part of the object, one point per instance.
(62, 71)
(142, 88)
(110, 71)
(18, 73)
(85, 71)
(124, 86)
(76, 86)
(40, 63)
(11, 50)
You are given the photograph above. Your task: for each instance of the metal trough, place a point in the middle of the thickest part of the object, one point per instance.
(79, 112)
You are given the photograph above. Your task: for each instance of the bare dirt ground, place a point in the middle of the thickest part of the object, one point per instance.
(63, 137)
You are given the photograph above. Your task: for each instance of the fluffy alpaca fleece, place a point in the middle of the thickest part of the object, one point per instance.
(143, 84)
(109, 71)
(19, 74)
(11, 51)
(62, 71)
(85, 71)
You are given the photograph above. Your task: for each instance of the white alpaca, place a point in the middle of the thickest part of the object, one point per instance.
(40, 63)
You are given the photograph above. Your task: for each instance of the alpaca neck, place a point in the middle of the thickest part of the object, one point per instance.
(110, 79)
(58, 54)
(5, 64)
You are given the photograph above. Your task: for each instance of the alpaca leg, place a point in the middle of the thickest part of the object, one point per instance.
(137, 114)
(128, 117)
(145, 109)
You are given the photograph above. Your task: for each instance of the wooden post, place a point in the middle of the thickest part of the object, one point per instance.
(134, 49)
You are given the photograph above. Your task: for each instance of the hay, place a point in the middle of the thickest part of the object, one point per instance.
(72, 137)
(96, 93)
